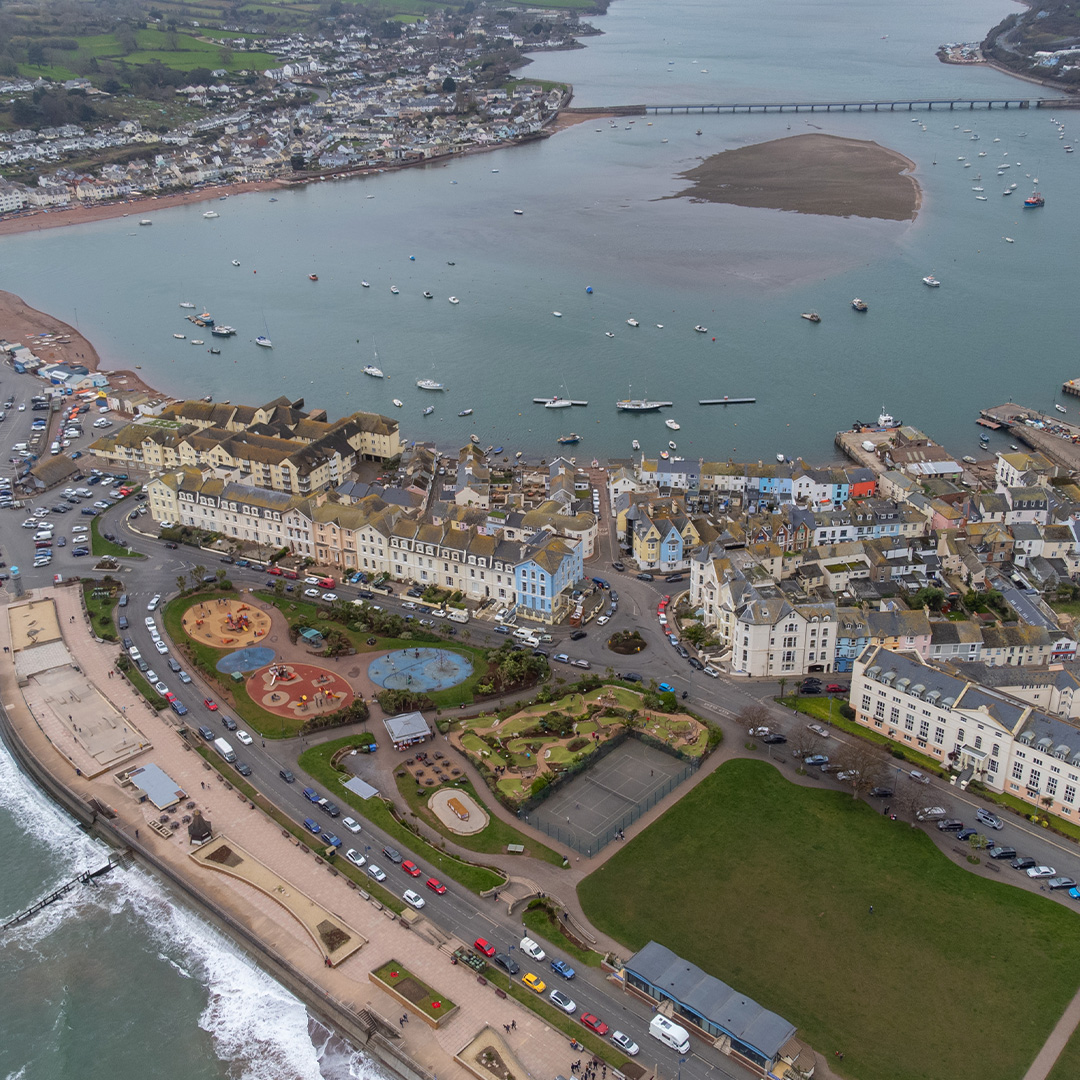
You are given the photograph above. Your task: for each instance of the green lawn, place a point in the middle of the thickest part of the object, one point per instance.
(492, 839)
(316, 763)
(100, 610)
(768, 886)
(100, 546)
(541, 924)
(432, 1003)
(1067, 1066)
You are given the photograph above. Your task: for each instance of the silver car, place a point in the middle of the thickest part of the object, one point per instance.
(625, 1043)
(564, 1001)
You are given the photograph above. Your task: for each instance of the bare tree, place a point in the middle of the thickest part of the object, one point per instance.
(864, 765)
(754, 716)
(804, 743)
(907, 800)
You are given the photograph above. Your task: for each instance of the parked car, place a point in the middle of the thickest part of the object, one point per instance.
(951, 825)
(1022, 862)
(983, 815)
(816, 759)
(413, 899)
(666, 688)
(243, 737)
(351, 824)
(355, 857)
(625, 1043)
(534, 982)
(818, 729)
(594, 1023)
(967, 834)
(561, 967)
(563, 1001)
(881, 793)
(392, 854)
(531, 949)
(410, 868)
(507, 963)
(435, 885)
(1002, 853)
(206, 733)
(930, 813)
(1041, 872)
(1061, 882)
(375, 872)
(482, 945)
(774, 737)
(919, 777)
(312, 826)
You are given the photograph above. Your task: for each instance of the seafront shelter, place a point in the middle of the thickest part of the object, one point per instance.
(407, 729)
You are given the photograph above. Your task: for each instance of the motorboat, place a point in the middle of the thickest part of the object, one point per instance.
(236, 262)
(211, 214)
(1060, 408)
(220, 330)
(632, 322)
(557, 314)
(519, 212)
(673, 424)
(146, 221)
(701, 329)
(398, 403)
(429, 410)
(781, 458)
(427, 295)
(373, 371)
(313, 277)
(568, 440)
(1007, 191)
(518, 454)
(465, 412)
(811, 316)
(365, 284)
(981, 198)
(1009, 240)
(264, 341)
(659, 326)
(454, 300)
(608, 333)
(197, 341)
(968, 459)
(394, 289)
(635, 445)
(496, 450)
(558, 403)
(215, 352)
(859, 305)
(429, 384)
(187, 304)
(180, 336)
(931, 281)
(474, 439)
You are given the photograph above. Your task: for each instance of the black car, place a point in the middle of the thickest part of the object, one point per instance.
(696, 664)
(392, 854)
(811, 682)
(774, 737)
(683, 651)
(171, 545)
(881, 793)
(364, 594)
(207, 734)
(675, 577)
(331, 809)
(228, 722)
(618, 566)
(645, 577)
(577, 635)
(243, 768)
(287, 776)
(507, 963)
(415, 591)
(810, 690)
(1022, 862)
(967, 834)
(227, 559)
(1002, 853)
(630, 676)
(127, 642)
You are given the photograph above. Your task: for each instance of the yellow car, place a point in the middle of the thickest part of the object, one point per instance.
(534, 982)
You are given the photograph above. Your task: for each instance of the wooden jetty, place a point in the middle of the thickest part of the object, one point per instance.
(84, 878)
(727, 401)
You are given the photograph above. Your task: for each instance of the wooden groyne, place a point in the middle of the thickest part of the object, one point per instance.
(87, 877)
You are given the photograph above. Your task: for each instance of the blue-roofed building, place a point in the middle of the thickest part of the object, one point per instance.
(709, 1008)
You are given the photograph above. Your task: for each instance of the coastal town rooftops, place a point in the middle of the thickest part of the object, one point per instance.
(699, 997)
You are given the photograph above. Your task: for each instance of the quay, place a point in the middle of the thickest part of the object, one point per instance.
(87, 877)
(1072, 386)
(545, 400)
(727, 401)
(904, 104)
(1053, 436)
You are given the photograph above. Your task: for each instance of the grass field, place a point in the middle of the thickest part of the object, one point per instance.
(100, 546)
(1067, 1066)
(768, 886)
(100, 609)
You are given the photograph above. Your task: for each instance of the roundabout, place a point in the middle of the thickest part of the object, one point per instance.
(226, 623)
(421, 670)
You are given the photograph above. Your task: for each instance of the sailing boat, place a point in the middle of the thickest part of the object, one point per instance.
(558, 402)
(430, 384)
(371, 369)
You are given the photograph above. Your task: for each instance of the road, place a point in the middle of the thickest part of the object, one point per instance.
(458, 912)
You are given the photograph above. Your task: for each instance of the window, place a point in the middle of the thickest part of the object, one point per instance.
(993, 766)
(894, 715)
(924, 729)
(1017, 770)
(1034, 778)
(1070, 793)
(909, 722)
(1051, 785)
(866, 702)
(978, 742)
(939, 735)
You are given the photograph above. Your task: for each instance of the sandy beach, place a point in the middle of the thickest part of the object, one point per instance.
(25, 325)
(811, 174)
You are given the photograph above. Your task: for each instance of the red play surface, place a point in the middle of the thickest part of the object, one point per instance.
(303, 690)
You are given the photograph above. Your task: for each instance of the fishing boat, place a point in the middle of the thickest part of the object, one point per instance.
(427, 295)
(1035, 199)
(211, 214)
(701, 329)
(264, 341)
(673, 424)
(429, 384)
(811, 316)
(608, 333)
(931, 281)
(313, 277)
(398, 403)
(635, 445)
(236, 262)
(859, 305)
(187, 304)
(365, 284)
(568, 440)
(465, 412)
(429, 410)
(632, 322)
(1060, 408)
(394, 289)
(454, 300)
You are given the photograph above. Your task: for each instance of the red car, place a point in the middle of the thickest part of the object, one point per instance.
(274, 570)
(485, 946)
(594, 1023)
(211, 704)
(837, 688)
(435, 885)
(410, 868)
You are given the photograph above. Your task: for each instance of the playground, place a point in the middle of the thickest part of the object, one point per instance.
(226, 623)
(299, 691)
(420, 670)
(458, 811)
(548, 739)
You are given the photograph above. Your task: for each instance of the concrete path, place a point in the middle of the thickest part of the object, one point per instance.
(1051, 1051)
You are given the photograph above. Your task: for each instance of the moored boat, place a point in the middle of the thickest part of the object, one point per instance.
(313, 277)
(811, 316)
(180, 336)
(859, 305)
(427, 295)
(146, 221)
(215, 352)
(558, 403)
(673, 424)
(701, 329)
(639, 405)
(429, 384)
(373, 371)
(664, 454)
(931, 281)
(608, 333)
(465, 412)
(365, 284)
(1033, 200)
(187, 304)
(1060, 408)
(632, 322)
(210, 214)
(429, 410)
(236, 262)
(635, 445)
(222, 331)
(968, 459)
(264, 341)
(781, 458)
(454, 300)
(568, 440)
(394, 289)
(398, 403)
(197, 341)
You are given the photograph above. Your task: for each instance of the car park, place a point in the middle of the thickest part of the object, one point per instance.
(482, 945)
(355, 857)
(375, 872)
(413, 899)
(563, 1001)
(561, 967)
(594, 1023)
(534, 982)
(507, 963)
(625, 1043)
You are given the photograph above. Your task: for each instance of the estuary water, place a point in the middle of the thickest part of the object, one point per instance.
(120, 980)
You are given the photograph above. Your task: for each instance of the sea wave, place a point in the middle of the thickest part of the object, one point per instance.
(259, 1029)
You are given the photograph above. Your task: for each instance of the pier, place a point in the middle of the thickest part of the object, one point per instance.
(1052, 436)
(727, 401)
(1071, 387)
(85, 878)
(545, 400)
(904, 105)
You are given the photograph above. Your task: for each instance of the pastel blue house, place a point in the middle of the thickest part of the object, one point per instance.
(545, 578)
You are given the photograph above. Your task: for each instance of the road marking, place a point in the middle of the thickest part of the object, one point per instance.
(719, 709)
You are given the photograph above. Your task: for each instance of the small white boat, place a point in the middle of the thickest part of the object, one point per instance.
(454, 300)
(187, 304)
(1013, 446)
(671, 445)
(427, 295)
(636, 445)
(465, 412)
(701, 329)
(429, 384)
(557, 314)
(1007, 191)
(394, 289)
(180, 336)
(365, 284)
(519, 212)
(659, 326)
(397, 403)
(663, 453)
(146, 221)
(373, 371)
(210, 214)
(780, 458)
(931, 281)
(968, 459)
(1009, 240)
(264, 341)
(673, 424)
(1060, 408)
(608, 333)
(981, 198)
(978, 189)
(236, 262)
(197, 341)
(632, 322)
(429, 410)
(558, 403)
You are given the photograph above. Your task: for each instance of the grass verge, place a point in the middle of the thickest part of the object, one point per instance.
(100, 546)
(432, 1003)
(542, 923)
(100, 609)
(795, 871)
(492, 840)
(316, 763)
(154, 699)
(1067, 1067)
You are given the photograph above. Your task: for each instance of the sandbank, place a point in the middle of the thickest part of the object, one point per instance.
(810, 174)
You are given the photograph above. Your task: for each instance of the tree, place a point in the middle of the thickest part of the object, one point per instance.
(225, 56)
(783, 683)
(449, 85)
(181, 583)
(865, 765)
(754, 716)
(35, 54)
(196, 575)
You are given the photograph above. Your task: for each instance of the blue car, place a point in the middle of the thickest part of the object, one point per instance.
(331, 840)
(561, 967)
(310, 794)
(312, 826)
(665, 688)
(816, 759)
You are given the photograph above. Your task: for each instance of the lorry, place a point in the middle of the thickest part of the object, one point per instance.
(670, 1034)
(225, 750)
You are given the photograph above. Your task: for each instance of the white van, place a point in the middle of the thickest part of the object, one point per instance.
(55, 448)
(226, 751)
(454, 615)
(660, 1027)
(522, 632)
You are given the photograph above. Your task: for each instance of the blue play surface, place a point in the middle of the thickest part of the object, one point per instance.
(250, 659)
(419, 669)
